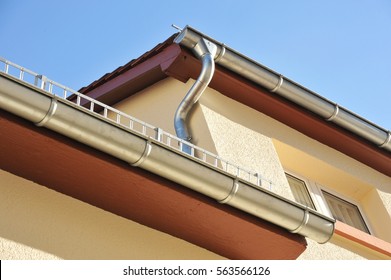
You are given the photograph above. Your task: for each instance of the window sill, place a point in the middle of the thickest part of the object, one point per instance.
(359, 237)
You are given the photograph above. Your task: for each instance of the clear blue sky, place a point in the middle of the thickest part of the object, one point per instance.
(340, 49)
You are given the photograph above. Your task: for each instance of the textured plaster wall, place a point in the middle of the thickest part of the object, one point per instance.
(210, 129)
(11, 250)
(386, 198)
(247, 148)
(328, 251)
(39, 223)
(156, 104)
(242, 134)
(259, 143)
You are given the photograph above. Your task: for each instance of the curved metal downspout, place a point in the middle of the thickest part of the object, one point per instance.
(80, 124)
(205, 51)
(290, 90)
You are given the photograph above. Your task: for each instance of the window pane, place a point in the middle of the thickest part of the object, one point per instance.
(345, 212)
(300, 191)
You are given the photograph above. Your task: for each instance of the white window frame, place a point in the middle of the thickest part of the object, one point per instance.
(347, 199)
(316, 195)
(307, 185)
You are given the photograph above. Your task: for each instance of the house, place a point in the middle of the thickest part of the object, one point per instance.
(191, 151)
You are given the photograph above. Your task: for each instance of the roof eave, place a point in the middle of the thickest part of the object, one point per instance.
(289, 113)
(138, 195)
(171, 60)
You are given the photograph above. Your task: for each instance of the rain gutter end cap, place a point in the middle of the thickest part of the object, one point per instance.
(182, 35)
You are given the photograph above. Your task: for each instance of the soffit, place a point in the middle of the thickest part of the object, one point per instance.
(81, 172)
(130, 65)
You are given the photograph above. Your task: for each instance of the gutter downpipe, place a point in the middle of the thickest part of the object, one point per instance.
(205, 51)
(88, 127)
(278, 84)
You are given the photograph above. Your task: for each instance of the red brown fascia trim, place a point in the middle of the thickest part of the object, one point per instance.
(171, 60)
(79, 171)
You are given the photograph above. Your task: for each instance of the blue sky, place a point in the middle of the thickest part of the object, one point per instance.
(340, 49)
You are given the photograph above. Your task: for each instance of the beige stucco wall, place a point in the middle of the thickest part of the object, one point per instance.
(386, 199)
(239, 134)
(210, 130)
(39, 223)
(328, 251)
(259, 143)
(246, 148)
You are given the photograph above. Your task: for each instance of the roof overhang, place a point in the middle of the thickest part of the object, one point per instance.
(171, 60)
(111, 184)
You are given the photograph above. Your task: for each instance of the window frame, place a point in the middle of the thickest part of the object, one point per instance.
(307, 186)
(349, 200)
(316, 190)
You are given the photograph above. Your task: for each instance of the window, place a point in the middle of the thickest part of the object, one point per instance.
(345, 212)
(312, 195)
(300, 191)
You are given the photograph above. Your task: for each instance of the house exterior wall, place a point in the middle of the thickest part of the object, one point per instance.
(257, 142)
(39, 223)
(209, 130)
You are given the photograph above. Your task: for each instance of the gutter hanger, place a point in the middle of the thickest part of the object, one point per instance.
(152, 152)
(290, 90)
(205, 51)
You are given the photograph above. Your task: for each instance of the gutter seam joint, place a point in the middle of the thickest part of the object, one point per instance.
(279, 84)
(232, 193)
(51, 111)
(304, 221)
(387, 140)
(335, 113)
(147, 151)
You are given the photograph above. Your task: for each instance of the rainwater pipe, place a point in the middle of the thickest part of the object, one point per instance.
(280, 85)
(205, 51)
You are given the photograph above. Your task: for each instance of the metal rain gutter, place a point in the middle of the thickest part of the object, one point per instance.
(205, 51)
(290, 90)
(113, 132)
